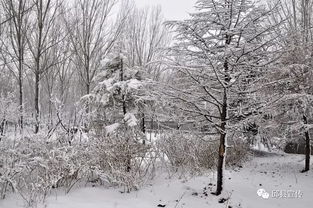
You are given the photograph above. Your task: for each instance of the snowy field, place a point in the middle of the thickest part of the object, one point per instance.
(272, 172)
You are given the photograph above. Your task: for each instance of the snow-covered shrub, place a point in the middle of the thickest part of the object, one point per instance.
(121, 159)
(195, 153)
(237, 152)
(188, 151)
(33, 166)
(9, 112)
(23, 170)
(8, 169)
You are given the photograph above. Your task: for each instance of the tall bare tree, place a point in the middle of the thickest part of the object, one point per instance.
(17, 13)
(144, 40)
(92, 36)
(295, 70)
(41, 41)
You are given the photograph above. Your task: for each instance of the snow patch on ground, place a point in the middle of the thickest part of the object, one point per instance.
(268, 171)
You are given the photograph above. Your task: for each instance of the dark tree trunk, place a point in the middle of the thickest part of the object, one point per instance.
(87, 68)
(18, 21)
(143, 128)
(2, 127)
(50, 125)
(88, 88)
(37, 110)
(143, 123)
(307, 151)
(20, 84)
(307, 147)
(222, 147)
(128, 157)
(87, 71)
(38, 69)
(87, 93)
(20, 77)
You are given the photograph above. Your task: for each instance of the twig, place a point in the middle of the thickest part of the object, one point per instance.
(296, 178)
(180, 199)
(228, 199)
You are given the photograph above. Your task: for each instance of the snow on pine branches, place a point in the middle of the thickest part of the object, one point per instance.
(114, 105)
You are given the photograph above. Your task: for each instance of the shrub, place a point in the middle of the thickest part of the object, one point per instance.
(32, 166)
(196, 153)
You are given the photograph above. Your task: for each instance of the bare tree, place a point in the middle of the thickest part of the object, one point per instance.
(91, 36)
(40, 42)
(144, 40)
(17, 13)
(58, 74)
(294, 71)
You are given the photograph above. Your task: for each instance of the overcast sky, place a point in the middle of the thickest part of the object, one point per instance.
(172, 9)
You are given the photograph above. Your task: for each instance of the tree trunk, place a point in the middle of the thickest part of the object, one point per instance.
(18, 23)
(38, 61)
(128, 156)
(222, 147)
(20, 72)
(37, 111)
(20, 83)
(87, 93)
(2, 127)
(143, 128)
(88, 88)
(307, 147)
(50, 125)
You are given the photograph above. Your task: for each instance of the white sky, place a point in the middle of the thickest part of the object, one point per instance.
(172, 9)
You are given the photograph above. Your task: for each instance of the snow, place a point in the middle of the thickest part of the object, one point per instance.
(134, 84)
(130, 119)
(107, 83)
(272, 172)
(263, 175)
(111, 128)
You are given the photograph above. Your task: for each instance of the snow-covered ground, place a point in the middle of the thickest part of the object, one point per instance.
(275, 173)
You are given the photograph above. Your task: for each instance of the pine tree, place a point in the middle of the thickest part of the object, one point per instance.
(115, 102)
